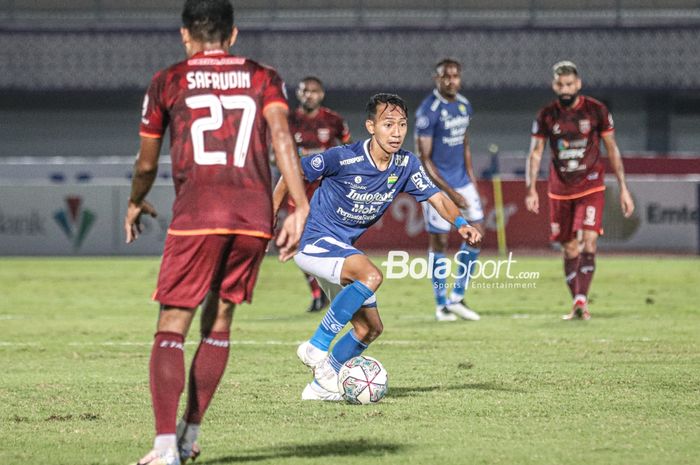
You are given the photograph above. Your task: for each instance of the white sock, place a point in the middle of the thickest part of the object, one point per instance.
(165, 441)
(454, 297)
(580, 297)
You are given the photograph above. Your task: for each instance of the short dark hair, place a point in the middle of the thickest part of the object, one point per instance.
(564, 68)
(312, 78)
(445, 62)
(389, 99)
(208, 20)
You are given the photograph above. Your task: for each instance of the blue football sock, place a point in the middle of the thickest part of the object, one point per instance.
(346, 348)
(466, 256)
(439, 278)
(346, 303)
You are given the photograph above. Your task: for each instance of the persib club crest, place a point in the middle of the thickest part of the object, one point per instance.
(391, 180)
(317, 163)
(75, 221)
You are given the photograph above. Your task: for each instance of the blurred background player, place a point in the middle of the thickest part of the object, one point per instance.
(219, 109)
(442, 142)
(360, 182)
(574, 124)
(315, 128)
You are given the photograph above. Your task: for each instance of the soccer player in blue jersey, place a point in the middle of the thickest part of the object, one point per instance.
(359, 183)
(442, 142)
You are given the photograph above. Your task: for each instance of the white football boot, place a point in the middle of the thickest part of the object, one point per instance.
(326, 377)
(442, 314)
(460, 309)
(311, 356)
(313, 391)
(161, 457)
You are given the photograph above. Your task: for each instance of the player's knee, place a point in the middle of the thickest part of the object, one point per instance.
(373, 278)
(590, 242)
(590, 246)
(571, 249)
(175, 320)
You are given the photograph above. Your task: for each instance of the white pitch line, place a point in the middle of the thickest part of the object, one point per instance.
(191, 343)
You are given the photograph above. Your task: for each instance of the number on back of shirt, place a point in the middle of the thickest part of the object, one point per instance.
(216, 106)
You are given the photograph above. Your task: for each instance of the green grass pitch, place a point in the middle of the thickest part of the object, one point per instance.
(518, 387)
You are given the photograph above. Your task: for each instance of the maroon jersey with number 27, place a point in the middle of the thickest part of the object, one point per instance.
(213, 103)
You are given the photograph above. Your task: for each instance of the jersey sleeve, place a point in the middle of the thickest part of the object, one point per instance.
(275, 90)
(605, 122)
(419, 185)
(425, 121)
(539, 130)
(322, 164)
(154, 114)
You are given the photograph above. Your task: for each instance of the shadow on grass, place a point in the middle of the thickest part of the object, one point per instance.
(402, 391)
(356, 447)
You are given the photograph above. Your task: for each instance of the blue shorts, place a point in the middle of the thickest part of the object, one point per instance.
(323, 258)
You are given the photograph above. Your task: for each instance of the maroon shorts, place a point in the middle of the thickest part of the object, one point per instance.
(194, 265)
(567, 217)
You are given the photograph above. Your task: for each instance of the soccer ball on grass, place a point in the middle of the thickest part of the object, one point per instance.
(363, 380)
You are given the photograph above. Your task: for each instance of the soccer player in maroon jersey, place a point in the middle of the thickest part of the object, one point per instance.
(220, 109)
(315, 129)
(574, 124)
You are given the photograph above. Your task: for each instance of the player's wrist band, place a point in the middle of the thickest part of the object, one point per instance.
(460, 221)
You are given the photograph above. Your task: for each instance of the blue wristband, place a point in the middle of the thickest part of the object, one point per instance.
(460, 221)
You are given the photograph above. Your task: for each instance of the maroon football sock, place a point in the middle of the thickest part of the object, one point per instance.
(167, 378)
(313, 284)
(586, 268)
(571, 274)
(207, 369)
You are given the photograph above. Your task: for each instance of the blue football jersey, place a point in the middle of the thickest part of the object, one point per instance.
(446, 122)
(354, 194)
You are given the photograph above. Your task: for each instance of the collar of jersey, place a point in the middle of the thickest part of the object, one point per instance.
(209, 53)
(365, 146)
(439, 97)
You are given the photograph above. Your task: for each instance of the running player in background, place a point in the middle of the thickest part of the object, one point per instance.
(315, 128)
(442, 142)
(574, 125)
(359, 183)
(219, 109)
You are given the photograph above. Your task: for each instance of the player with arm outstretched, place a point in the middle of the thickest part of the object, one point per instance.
(220, 109)
(574, 125)
(359, 183)
(442, 142)
(315, 128)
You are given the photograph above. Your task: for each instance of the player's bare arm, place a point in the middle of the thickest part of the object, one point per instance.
(145, 171)
(449, 211)
(424, 145)
(288, 164)
(468, 162)
(626, 202)
(470, 172)
(532, 200)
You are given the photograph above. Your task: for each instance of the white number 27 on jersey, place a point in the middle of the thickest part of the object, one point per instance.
(213, 122)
